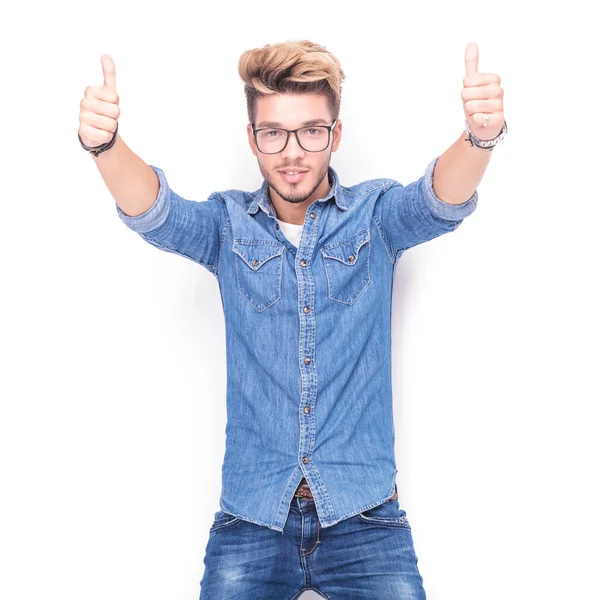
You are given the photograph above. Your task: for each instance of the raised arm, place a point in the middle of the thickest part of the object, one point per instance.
(144, 200)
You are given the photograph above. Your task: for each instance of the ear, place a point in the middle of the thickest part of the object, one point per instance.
(251, 139)
(337, 136)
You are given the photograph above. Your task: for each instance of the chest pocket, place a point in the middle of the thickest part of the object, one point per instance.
(258, 266)
(347, 267)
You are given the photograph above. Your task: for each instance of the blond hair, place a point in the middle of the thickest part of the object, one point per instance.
(292, 66)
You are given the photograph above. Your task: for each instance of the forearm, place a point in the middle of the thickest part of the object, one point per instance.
(132, 183)
(459, 170)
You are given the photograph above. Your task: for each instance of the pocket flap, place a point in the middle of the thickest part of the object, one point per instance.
(256, 253)
(347, 252)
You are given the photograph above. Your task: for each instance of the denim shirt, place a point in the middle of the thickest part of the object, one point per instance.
(308, 334)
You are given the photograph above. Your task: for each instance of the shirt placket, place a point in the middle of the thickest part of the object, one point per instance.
(307, 345)
(307, 351)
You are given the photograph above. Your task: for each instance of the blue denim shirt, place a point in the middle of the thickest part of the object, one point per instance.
(308, 336)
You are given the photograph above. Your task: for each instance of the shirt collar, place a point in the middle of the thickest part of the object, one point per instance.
(262, 200)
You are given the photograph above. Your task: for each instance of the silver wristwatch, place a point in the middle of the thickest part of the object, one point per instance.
(487, 144)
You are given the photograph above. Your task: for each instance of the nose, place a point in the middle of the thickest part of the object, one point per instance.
(293, 148)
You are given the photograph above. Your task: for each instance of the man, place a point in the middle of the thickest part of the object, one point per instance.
(305, 270)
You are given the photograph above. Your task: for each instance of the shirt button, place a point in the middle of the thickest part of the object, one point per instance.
(351, 257)
(302, 263)
(276, 225)
(307, 361)
(307, 409)
(254, 262)
(307, 309)
(312, 215)
(305, 460)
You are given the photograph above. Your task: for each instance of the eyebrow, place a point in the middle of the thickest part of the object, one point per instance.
(277, 124)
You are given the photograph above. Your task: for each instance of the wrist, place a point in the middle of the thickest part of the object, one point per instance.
(96, 150)
(486, 144)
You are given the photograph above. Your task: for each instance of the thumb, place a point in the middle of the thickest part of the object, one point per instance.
(471, 58)
(109, 72)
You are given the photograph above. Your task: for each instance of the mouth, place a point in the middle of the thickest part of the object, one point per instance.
(298, 175)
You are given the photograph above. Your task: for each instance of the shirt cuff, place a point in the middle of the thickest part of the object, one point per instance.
(156, 215)
(445, 210)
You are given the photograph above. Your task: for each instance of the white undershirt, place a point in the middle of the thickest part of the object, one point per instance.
(291, 231)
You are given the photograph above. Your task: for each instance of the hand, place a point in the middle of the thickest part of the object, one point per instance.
(99, 108)
(482, 94)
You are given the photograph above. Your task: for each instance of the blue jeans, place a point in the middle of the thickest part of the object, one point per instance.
(369, 556)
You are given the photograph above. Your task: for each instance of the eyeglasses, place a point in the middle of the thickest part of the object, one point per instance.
(314, 138)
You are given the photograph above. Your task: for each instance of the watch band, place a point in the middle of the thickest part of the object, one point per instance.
(487, 144)
(95, 150)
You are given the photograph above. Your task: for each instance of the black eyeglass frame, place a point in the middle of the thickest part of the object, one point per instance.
(295, 132)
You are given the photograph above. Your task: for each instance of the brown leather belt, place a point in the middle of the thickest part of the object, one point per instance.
(303, 491)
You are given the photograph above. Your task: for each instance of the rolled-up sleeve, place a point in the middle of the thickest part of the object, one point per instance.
(189, 228)
(413, 214)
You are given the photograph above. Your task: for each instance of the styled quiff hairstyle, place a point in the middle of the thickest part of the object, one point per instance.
(293, 66)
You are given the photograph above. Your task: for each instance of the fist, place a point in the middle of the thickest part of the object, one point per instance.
(482, 95)
(99, 108)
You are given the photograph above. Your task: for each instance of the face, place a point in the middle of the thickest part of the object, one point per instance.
(292, 111)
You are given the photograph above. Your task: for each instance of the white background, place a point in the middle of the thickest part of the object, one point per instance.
(112, 424)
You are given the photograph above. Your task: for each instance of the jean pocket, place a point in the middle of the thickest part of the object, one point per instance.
(347, 267)
(388, 514)
(258, 267)
(222, 520)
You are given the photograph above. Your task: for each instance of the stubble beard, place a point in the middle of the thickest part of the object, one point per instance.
(291, 193)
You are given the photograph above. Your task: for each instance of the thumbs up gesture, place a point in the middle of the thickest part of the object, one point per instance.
(99, 108)
(481, 95)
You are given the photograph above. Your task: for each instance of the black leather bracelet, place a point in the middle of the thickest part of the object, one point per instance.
(99, 149)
